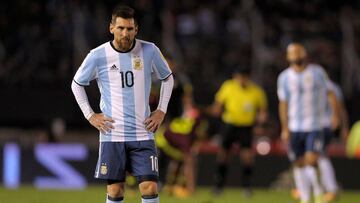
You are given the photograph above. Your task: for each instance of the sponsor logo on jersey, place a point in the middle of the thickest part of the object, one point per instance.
(113, 67)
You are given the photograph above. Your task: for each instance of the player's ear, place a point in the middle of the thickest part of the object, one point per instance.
(111, 27)
(136, 29)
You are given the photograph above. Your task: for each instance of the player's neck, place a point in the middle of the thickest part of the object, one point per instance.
(118, 48)
(299, 68)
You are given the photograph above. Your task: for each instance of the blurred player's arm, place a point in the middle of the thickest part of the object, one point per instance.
(335, 109)
(263, 108)
(344, 120)
(220, 98)
(283, 109)
(283, 95)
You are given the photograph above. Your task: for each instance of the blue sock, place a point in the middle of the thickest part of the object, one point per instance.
(150, 199)
(114, 199)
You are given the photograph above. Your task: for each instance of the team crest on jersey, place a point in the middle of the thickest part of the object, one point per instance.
(137, 63)
(103, 169)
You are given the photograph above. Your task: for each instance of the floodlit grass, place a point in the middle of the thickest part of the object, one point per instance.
(96, 194)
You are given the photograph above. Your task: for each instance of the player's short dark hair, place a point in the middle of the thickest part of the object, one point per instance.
(123, 11)
(243, 70)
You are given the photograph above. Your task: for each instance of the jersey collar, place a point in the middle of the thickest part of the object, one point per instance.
(132, 47)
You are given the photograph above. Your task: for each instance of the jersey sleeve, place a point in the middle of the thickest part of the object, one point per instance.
(222, 93)
(282, 89)
(325, 78)
(87, 71)
(160, 66)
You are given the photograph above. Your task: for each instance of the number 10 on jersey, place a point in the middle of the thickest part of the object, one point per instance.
(127, 79)
(154, 163)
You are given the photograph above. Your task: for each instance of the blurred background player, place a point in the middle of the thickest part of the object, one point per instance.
(123, 69)
(241, 104)
(303, 90)
(178, 144)
(176, 138)
(328, 178)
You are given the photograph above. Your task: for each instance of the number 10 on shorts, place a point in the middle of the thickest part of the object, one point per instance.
(154, 163)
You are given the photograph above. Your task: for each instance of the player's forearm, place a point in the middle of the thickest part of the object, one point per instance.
(283, 114)
(165, 93)
(263, 115)
(333, 104)
(82, 99)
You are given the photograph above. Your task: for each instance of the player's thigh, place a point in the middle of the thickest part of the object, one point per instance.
(143, 160)
(229, 135)
(245, 142)
(314, 146)
(296, 146)
(314, 142)
(111, 163)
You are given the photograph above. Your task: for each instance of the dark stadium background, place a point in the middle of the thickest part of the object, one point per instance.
(42, 43)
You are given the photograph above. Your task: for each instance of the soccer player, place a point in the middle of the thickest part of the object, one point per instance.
(242, 104)
(328, 178)
(303, 90)
(123, 68)
(178, 142)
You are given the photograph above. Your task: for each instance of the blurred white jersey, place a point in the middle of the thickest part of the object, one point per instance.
(124, 81)
(306, 94)
(339, 97)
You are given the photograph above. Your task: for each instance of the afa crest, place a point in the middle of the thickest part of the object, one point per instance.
(137, 63)
(103, 169)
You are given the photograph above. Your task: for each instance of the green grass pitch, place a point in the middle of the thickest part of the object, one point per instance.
(96, 194)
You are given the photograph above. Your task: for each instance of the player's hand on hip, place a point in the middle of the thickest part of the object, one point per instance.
(285, 135)
(154, 120)
(101, 122)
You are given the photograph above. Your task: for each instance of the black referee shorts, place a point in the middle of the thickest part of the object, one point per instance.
(236, 135)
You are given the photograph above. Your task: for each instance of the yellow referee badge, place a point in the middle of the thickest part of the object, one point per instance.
(137, 63)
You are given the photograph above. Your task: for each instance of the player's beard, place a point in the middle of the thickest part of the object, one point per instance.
(299, 61)
(125, 43)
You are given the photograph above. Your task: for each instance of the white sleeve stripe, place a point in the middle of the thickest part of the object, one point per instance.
(165, 93)
(82, 99)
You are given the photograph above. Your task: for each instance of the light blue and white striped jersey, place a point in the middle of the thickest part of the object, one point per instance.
(124, 81)
(339, 97)
(306, 95)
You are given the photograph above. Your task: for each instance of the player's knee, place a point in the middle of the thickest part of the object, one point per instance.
(115, 190)
(311, 158)
(299, 162)
(247, 157)
(148, 188)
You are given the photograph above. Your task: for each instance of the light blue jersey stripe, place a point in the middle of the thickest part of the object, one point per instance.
(88, 69)
(128, 98)
(299, 101)
(104, 86)
(315, 101)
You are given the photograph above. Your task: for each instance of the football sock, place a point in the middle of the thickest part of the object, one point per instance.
(150, 199)
(302, 183)
(246, 176)
(220, 175)
(314, 180)
(328, 179)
